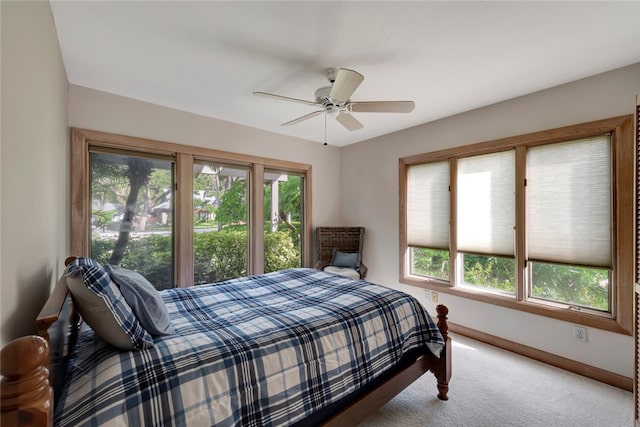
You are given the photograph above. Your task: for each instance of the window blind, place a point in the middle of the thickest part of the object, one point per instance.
(428, 205)
(569, 202)
(486, 203)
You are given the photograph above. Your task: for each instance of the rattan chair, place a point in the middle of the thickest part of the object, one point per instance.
(343, 239)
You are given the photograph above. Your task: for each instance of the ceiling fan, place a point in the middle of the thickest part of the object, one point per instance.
(334, 100)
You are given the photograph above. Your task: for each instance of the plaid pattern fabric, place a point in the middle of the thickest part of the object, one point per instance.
(98, 281)
(264, 350)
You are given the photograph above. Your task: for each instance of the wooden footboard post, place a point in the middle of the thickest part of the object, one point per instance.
(443, 373)
(27, 398)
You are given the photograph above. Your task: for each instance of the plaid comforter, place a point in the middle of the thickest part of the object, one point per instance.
(263, 350)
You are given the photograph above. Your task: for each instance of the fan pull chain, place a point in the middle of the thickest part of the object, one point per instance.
(325, 128)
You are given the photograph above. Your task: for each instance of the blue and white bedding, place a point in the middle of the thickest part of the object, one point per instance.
(265, 350)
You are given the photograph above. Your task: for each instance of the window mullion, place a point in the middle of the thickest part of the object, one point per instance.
(453, 223)
(256, 219)
(520, 231)
(184, 221)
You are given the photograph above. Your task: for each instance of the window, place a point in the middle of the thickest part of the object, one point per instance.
(184, 215)
(284, 217)
(428, 219)
(538, 223)
(568, 214)
(485, 210)
(220, 219)
(132, 213)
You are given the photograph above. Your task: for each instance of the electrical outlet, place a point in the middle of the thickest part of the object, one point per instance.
(434, 296)
(580, 333)
(427, 294)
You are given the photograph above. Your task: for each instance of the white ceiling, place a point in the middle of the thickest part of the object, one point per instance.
(207, 57)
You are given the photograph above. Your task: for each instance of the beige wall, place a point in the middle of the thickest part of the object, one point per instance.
(33, 218)
(370, 198)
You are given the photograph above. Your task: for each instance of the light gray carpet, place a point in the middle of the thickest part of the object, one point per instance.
(491, 387)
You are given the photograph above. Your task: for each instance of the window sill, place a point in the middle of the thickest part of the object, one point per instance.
(554, 312)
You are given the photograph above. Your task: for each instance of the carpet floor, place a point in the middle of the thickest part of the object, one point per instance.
(491, 387)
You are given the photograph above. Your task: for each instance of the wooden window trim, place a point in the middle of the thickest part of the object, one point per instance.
(184, 262)
(80, 213)
(621, 128)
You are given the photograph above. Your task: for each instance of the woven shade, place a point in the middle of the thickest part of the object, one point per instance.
(569, 202)
(486, 203)
(428, 205)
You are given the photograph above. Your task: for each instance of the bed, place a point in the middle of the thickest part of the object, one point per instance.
(294, 347)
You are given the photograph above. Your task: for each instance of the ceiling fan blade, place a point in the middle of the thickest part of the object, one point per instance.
(347, 81)
(303, 118)
(348, 121)
(382, 106)
(284, 98)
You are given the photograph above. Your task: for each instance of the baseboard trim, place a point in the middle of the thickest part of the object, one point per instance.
(583, 369)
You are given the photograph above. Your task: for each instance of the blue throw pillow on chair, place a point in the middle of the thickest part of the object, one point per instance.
(346, 259)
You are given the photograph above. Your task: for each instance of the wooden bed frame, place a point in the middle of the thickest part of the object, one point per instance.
(33, 368)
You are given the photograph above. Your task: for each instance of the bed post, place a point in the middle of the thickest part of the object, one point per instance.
(443, 371)
(27, 398)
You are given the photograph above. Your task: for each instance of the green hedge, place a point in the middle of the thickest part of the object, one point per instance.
(587, 287)
(218, 255)
(149, 255)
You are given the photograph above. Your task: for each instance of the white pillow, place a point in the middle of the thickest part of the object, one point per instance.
(343, 271)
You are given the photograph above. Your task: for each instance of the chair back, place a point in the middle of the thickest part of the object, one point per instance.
(343, 239)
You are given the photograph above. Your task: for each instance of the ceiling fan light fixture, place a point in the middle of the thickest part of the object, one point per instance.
(333, 110)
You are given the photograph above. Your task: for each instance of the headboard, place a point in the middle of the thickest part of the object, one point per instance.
(58, 324)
